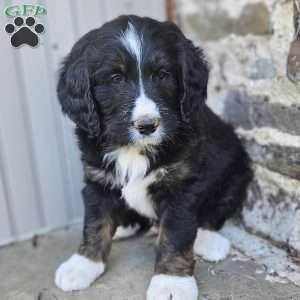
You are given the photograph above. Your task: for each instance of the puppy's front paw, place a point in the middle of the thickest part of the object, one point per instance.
(77, 273)
(166, 287)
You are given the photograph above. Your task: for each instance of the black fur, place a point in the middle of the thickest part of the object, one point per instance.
(207, 168)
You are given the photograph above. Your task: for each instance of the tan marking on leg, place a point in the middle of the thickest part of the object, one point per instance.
(169, 261)
(97, 239)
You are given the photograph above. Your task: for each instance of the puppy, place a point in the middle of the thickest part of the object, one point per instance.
(152, 151)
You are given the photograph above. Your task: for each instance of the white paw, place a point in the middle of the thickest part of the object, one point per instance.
(77, 273)
(126, 232)
(153, 231)
(166, 287)
(211, 245)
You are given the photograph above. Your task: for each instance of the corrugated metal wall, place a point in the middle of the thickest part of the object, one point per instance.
(40, 173)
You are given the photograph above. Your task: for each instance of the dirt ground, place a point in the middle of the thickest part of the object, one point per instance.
(27, 269)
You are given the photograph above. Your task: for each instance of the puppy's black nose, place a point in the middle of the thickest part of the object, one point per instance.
(146, 125)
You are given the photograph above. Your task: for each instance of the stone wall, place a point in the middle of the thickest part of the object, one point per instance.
(247, 43)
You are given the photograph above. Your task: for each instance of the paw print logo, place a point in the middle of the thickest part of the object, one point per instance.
(24, 32)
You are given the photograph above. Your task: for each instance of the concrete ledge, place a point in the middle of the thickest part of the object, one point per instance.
(278, 151)
(276, 263)
(254, 111)
(272, 207)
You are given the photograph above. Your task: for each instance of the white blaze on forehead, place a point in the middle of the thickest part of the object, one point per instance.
(133, 42)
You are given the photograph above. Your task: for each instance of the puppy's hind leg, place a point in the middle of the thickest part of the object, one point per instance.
(124, 232)
(211, 245)
(130, 225)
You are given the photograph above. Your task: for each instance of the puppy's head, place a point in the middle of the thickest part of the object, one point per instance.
(133, 81)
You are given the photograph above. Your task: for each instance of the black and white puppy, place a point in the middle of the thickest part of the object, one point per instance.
(152, 151)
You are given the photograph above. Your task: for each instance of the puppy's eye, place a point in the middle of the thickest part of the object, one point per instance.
(116, 78)
(163, 74)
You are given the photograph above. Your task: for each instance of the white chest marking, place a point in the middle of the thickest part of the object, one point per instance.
(131, 168)
(136, 195)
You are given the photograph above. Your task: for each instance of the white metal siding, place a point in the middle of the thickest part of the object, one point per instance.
(40, 173)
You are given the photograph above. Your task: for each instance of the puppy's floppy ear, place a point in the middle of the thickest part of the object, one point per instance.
(195, 72)
(75, 96)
